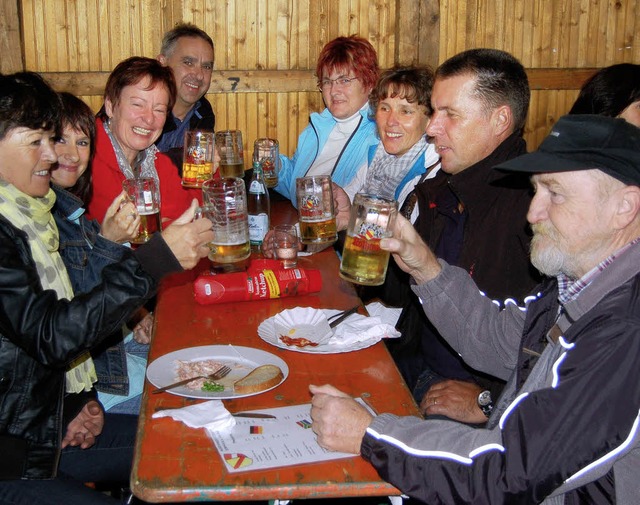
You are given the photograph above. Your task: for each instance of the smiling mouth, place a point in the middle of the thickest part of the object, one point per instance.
(141, 131)
(192, 86)
(42, 173)
(393, 135)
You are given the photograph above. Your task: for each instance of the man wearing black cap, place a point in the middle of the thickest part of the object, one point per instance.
(567, 427)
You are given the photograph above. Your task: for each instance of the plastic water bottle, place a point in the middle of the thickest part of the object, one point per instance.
(258, 208)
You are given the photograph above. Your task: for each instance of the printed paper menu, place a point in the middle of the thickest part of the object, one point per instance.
(258, 444)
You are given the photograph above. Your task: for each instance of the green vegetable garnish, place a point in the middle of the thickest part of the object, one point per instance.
(212, 387)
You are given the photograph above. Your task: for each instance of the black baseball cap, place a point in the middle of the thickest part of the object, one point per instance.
(583, 142)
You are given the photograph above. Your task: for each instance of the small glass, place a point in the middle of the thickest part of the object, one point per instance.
(226, 203)
(315, 210)
(144, 194)
(285, 245)
(197, 164)
(231, 151)
(266, 151)
(371, 219)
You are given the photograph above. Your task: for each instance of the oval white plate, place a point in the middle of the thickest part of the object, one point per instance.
(241, 360)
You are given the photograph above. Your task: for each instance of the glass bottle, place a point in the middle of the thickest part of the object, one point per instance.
(258, 208)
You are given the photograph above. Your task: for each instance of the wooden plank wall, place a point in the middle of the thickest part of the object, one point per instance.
(266, 49)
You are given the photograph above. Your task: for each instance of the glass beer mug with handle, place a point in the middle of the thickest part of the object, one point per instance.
(226, 200)
(266, 151)
(315, 210)
(231, 151)
(371, 219)
(197, 162)
(144, 194)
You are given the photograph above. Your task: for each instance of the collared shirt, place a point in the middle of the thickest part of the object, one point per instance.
(569, 290)
(175, 138)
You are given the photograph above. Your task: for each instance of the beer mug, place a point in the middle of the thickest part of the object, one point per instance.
(197, 164)
(371, 219)
(144, 194)
(315, 210)
(226, 202)
(266, 151)
(229, 144)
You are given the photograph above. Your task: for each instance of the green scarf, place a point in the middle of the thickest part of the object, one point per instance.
(33, 216)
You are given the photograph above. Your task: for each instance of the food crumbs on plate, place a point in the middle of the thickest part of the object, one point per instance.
(292, 331)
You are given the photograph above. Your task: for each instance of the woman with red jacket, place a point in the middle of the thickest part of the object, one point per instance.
(138, 95)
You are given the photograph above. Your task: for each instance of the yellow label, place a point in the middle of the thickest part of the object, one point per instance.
(272, 282)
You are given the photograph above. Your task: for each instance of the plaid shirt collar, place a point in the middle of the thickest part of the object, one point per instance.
(569, 290)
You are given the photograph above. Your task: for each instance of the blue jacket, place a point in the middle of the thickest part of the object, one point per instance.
(310, 144)
(85, 253)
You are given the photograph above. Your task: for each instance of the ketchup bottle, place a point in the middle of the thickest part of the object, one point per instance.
(267, 279)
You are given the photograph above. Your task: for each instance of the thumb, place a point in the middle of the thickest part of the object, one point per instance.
(188, 215)
(94, 408)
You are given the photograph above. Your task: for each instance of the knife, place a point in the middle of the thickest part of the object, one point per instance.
(254, 415)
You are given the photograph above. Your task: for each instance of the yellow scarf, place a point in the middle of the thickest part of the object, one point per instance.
(33, 216)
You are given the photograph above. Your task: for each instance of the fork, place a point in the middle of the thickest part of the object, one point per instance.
(336, 319)
(219, 374)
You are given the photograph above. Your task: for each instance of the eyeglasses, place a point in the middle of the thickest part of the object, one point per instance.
(340, 82)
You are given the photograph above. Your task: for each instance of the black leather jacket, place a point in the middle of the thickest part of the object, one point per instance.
(40, 334)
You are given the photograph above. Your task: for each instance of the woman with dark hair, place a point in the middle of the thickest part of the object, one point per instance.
(54, 435)
(613, 91)
(139, 94)
(87, 247)
(401, 104)
(337, 140)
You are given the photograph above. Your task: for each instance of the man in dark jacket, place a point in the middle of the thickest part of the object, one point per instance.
(471, 216)
(566, 428)
(188, 50)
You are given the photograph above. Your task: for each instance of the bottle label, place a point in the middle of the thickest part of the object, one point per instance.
(257, 188)
(258, 228)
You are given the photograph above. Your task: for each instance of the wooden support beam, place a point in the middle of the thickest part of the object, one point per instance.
(10, 38)
(285, 81)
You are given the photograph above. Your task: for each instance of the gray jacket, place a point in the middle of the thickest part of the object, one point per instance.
(565, 429)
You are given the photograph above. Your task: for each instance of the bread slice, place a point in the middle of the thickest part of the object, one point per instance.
(259, 379)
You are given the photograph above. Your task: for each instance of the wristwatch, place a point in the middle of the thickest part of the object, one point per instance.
(485, 403)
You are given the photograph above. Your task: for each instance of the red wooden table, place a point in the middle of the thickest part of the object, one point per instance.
(176, 463)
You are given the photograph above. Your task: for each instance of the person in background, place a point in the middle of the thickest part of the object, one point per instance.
(86, 248)
(139, 94)
(401, 102)
(54, 435)
(471, 216)
(565, 430)
(188, 51)
(337, 140)
(613, 91)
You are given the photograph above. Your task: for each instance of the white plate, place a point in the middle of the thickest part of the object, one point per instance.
(267, 332)
(162, 371)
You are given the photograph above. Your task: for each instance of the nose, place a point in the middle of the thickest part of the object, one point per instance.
(537, 209)
(49, 153)
(67, 152)
(147, 115)
(435, 124)
(392, 118)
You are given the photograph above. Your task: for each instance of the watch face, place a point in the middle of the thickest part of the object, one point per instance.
(484, 398)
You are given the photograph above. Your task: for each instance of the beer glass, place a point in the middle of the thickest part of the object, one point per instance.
(197, 164)
(266, 151)
(315, 210)
(371, 219)
(285, 245)
(226, 200)
(144, 194)
(229, 144)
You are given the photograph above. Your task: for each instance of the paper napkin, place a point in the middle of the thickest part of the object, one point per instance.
(211, 415)
(359, 328)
